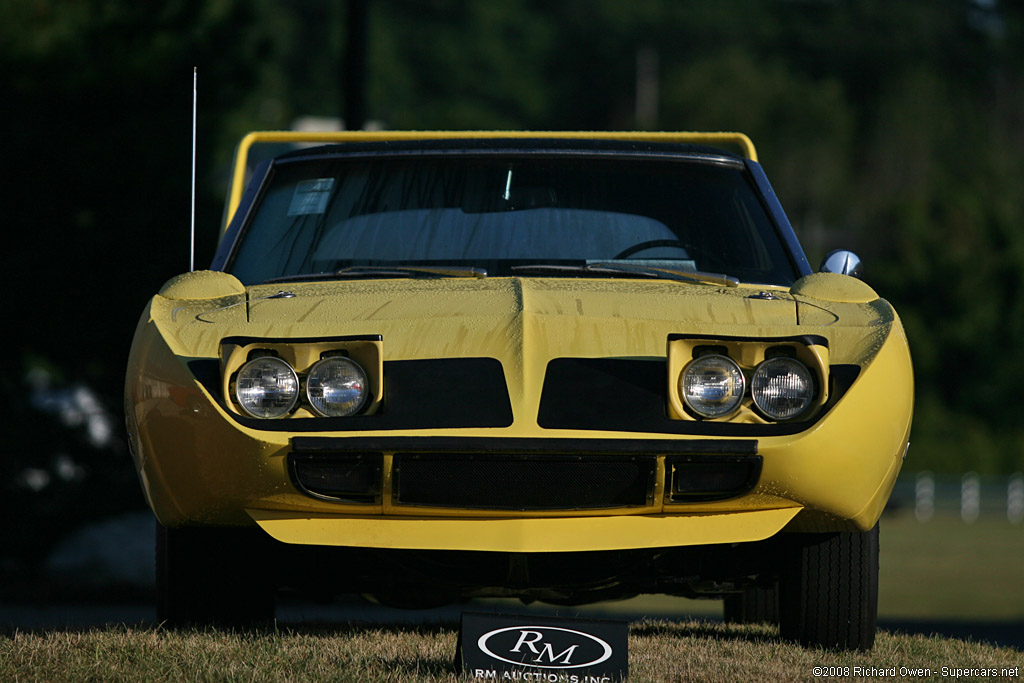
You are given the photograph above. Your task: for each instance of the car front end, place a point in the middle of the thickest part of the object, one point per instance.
(632, 420)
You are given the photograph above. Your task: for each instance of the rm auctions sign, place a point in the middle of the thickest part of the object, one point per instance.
(501, 647)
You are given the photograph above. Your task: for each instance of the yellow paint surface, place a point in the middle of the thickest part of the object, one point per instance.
(524, 535)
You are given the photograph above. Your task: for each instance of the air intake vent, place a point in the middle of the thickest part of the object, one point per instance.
(523, 482)
(351, 478)
(705, 478)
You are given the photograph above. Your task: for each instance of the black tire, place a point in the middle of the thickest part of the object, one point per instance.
(829, 596)
(214, 577)
(752, 606)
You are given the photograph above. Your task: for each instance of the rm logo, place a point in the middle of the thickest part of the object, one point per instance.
(530, 640)
(491, 642)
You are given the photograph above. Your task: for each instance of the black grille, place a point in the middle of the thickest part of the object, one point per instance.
(523, 482)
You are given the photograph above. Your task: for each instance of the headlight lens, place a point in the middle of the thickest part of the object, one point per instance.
(336, 387)
(712, 385)
(782, 388)
(267, 387)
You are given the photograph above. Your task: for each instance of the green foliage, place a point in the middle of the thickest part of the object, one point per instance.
(806, 148)
(459, 65)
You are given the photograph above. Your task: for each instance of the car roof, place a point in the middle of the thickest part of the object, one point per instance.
(621, 141)
(513, 145)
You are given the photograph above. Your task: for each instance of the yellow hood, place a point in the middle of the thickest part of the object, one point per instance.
(517, 319)
(499, 316)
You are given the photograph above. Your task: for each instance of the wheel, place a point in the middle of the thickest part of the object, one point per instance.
(650, 244)
(829, 595)
(214, 576)
(753, 606)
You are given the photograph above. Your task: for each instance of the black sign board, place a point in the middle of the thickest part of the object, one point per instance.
(532, 649)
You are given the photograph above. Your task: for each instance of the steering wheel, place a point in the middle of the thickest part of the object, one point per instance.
(650, 244)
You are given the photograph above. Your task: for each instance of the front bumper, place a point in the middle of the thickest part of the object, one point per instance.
(531, 535)
(200, 466)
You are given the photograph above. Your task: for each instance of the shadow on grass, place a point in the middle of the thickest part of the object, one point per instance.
(331, 629)
(430, 666)
(80, 618)
(716, 630)
(996, 633)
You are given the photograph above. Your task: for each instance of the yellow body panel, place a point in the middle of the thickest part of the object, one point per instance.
(199, 465)
(570, 534)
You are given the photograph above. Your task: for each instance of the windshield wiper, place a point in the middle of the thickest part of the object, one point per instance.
(355, 272)
(675, 274)
(614, 269)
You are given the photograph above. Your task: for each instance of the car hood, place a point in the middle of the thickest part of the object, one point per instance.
(459, 317)
(518, 320)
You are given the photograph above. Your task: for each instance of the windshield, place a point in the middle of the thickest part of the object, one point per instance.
(498, 214)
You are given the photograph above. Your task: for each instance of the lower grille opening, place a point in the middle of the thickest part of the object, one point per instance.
(353, 478)
(495, 481)
(705, 478)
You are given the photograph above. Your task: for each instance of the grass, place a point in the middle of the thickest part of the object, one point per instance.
(659, 651)
(946, 569)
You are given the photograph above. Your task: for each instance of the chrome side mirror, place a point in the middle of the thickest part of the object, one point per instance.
(843, 262)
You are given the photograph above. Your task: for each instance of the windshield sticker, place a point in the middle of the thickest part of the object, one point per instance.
(311, 197)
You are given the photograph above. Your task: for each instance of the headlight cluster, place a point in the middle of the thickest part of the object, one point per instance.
(268, 387)
(714, 385)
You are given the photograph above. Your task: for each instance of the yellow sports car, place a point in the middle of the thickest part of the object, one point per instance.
(566, 367)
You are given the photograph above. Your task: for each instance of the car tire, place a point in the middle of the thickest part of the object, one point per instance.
(829, 596)
(213, 577)
(752, 606)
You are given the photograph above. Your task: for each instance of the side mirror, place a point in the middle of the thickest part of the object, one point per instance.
(843, 262)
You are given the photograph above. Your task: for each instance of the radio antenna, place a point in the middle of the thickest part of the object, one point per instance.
(192, 240)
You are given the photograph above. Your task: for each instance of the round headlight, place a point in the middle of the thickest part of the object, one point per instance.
(712, 385)
(782, 388)
(336, 387)
(267, 387)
